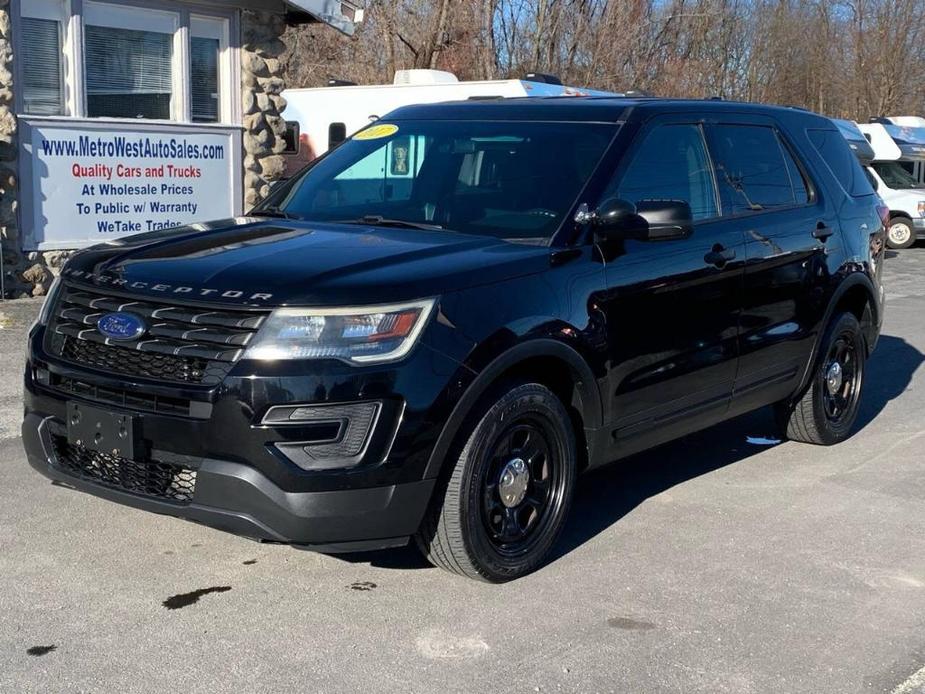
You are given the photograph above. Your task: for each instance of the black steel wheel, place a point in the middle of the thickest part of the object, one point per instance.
(841, 375)
(522, 486)
(505, 501)
(827, 411)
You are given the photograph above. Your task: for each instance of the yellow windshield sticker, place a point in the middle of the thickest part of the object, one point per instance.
(377, 132)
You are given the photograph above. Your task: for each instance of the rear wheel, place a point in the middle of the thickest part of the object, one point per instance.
(506, 499)
(900, 233)
(828, 410)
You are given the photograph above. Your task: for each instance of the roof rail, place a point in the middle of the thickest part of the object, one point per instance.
(637, 93)
(334, 82)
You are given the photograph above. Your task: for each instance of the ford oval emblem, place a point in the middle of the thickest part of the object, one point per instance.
(121, 326)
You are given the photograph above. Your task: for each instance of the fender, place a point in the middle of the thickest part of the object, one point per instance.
(852, 280)
(586, 387)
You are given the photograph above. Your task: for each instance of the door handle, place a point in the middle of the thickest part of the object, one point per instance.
(719, 256)
(822, 232)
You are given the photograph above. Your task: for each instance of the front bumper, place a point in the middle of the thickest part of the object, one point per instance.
(245, 481)
(237, 498)
(918, 223)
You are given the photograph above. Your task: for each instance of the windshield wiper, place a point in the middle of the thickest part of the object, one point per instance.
(273, 212)
(380, 221)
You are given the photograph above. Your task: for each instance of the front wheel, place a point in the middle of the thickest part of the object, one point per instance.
(900, 233)
(829, 408)
(506, 499)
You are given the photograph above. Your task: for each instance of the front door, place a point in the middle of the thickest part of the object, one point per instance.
(672, 306)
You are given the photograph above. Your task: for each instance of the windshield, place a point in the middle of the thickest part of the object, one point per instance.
(895, 176)
(511, 180)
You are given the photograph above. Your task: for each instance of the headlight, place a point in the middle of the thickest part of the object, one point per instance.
(361, 335)
(50, 296)
(921, 208)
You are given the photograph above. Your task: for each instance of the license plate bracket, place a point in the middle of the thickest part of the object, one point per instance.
(106, 432)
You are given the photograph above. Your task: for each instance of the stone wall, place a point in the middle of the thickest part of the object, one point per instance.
(24, 274)
(9, 237)
(262, 72)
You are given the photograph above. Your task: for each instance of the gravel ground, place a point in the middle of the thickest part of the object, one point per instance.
(709, 565)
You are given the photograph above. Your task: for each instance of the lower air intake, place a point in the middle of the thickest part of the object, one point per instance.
(151, 479)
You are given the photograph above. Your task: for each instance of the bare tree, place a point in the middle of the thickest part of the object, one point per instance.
(846, 58)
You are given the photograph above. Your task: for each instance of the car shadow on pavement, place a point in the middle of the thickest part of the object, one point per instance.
(605, 495)
(889, 373)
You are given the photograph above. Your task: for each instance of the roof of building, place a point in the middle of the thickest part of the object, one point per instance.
(339, 14)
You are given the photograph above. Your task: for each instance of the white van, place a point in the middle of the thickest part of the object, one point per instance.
(321, 118)
(896, 150)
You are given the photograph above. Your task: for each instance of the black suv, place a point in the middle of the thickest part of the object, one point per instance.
(434, 328)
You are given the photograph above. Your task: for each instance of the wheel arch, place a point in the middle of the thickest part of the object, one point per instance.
(546, 361)
(855, 294)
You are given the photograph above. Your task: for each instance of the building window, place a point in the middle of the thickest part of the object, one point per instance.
(42, 86)
(129, 73)
(204, 77)
(136, 62)
(208, 42)
(128, 61)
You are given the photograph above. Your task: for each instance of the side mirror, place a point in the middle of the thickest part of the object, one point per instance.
(614, 219)
(666, 219)
(649, 220)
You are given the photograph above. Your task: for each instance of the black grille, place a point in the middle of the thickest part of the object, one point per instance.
(182, 344)
(111, 358)
(152, 479)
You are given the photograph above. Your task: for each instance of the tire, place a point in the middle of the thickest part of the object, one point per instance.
(494, 519)
(900, 234)
(827, 412)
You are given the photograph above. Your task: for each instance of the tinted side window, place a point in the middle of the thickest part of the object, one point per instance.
(752, 170)
(670, 164)
(800, 188)
(841, 161)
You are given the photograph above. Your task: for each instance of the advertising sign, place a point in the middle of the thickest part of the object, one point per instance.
(90, 184)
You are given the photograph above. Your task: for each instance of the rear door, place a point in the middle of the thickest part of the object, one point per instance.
(788, 231)
(672, 306)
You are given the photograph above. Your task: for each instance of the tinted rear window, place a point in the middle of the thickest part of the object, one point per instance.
(754, 171)
(841, 161)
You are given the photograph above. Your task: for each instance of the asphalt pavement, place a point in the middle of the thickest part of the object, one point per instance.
(719, 563)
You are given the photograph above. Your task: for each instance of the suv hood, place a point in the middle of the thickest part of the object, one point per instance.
(904, 200)
(280, 262)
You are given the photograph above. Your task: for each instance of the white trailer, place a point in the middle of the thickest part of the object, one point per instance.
(323, 117)
(898, 149)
